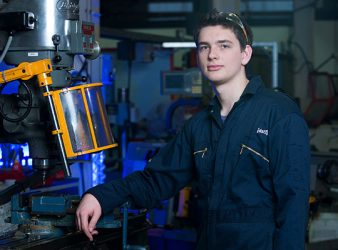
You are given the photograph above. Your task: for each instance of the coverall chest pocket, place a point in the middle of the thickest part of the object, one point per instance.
(253, 157)
(204, 163)
(251, 175)
(252, 170)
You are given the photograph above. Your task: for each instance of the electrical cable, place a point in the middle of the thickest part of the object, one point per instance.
(84, 68)
(306, 62)
(331, 57)
(309, 5)
(8, 44)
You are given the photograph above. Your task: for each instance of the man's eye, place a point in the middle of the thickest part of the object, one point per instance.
(224, 46)
(202, 48)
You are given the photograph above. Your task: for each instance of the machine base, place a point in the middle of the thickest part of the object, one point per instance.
(106, 239)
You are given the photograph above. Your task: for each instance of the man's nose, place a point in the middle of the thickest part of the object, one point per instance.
(213, 53)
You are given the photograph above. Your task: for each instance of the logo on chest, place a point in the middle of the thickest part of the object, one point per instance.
(263, 131)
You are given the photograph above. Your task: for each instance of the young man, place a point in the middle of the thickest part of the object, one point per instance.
(247, 154)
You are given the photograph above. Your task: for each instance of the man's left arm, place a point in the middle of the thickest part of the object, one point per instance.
(290, 165)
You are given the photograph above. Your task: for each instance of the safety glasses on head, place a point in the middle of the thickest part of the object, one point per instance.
(232, 17)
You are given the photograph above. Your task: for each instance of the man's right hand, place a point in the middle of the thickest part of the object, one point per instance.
(87, 215)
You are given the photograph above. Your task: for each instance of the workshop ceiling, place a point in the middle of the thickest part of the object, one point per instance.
(140, 14)
(149, 13)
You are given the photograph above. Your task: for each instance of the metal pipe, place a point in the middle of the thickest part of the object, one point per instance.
(58, 135)
(125, 226)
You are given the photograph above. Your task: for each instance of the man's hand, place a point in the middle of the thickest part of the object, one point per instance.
(87, 215)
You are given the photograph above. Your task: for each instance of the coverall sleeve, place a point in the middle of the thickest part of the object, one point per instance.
(290, 164)
(168, 172)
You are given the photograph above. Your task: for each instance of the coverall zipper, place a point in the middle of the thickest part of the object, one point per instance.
(203, 151)
(253, 151)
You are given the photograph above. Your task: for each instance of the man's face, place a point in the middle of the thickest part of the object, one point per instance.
(219, 54)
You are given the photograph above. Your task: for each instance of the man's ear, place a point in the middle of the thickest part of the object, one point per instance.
(246, 55)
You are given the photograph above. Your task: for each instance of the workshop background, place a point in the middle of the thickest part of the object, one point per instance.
(143, 54)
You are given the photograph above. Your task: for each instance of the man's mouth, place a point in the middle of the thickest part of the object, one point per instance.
(214, 67)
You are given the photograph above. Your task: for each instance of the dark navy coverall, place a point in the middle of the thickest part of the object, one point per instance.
(251, 173)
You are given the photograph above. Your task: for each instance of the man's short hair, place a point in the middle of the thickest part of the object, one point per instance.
(228, 20)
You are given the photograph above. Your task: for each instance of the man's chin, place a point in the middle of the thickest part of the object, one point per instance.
(216, 80)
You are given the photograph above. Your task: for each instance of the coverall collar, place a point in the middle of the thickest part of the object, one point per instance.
(215, 107)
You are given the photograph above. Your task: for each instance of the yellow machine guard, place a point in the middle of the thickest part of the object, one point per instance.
(82, 118)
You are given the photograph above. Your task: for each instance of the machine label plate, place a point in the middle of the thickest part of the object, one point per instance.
(33, 54)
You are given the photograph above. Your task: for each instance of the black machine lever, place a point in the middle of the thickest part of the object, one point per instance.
(56, 41)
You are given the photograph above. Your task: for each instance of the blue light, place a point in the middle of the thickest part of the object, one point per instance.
(98, 167)
(10, 152)
(25, 150)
